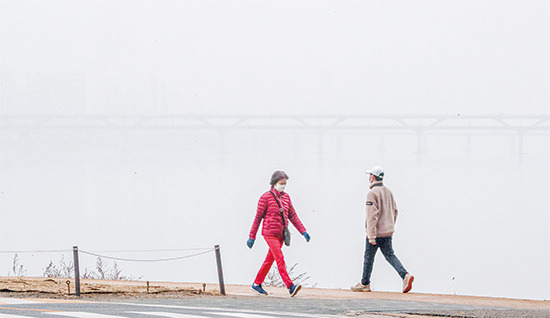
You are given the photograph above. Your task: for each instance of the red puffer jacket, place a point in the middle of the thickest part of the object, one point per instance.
(268, 210)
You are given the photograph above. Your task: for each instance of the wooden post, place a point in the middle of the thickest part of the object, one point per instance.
(220, 270)
(76, 272)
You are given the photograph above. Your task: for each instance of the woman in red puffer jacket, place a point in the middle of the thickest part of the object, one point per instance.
(276, 210)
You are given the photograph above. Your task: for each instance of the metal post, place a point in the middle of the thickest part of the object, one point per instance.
(220, 270)
(76, 272)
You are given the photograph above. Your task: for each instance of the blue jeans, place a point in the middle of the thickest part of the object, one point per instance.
(370, 251)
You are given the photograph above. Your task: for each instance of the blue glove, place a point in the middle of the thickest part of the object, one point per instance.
(306, 236)
(250, 242)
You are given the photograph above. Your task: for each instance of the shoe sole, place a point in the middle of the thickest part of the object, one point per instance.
(409, 285)
(361, 290)
(257, 292)
(296, 290)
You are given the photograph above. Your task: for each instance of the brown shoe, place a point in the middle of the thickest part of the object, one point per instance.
(360, 288)
(408, 282)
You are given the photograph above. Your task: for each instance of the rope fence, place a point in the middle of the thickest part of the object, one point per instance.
(101, 254)
(147, 260)
(34, 252)
(158, 250)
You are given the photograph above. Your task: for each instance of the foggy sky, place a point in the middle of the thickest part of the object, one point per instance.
(281, 57)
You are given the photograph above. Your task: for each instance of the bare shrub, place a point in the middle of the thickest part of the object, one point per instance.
(274, 279)
(101, 268)
(116, 272)
(66, 270)
(63, 270)
(17, 269)
(51, 271)
(103, 271)
(88, 274)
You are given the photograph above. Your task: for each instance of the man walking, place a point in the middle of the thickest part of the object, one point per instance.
(380, 224)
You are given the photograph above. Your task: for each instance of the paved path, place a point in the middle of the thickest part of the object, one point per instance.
(347, 295)
(247, 307)
(187, 308)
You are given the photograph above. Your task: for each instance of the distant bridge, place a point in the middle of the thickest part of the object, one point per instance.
(517, 126)
(521, 124)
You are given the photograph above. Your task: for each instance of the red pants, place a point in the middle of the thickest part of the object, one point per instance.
(274, 254)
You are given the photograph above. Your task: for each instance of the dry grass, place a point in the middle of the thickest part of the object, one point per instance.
(93, 288)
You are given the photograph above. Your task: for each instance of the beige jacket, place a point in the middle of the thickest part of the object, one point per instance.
(381, 211)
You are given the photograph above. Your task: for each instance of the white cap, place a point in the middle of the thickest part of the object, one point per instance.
(376, 171)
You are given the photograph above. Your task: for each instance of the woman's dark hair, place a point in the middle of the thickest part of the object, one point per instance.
(278, 175)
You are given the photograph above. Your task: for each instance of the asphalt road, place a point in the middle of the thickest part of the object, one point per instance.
(245, 307)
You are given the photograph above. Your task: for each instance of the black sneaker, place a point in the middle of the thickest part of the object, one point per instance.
(258, 288)
(294, 289)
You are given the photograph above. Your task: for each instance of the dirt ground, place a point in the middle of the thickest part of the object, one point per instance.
(59, 288)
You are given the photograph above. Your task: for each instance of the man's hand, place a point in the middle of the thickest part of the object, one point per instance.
(250, 242)
(306, 236)
(372, 240)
